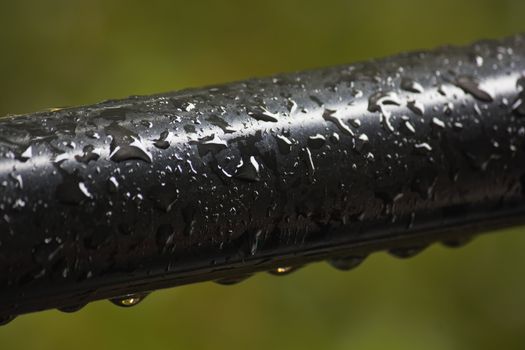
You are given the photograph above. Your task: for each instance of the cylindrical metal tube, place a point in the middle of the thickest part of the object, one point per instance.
(149, 192)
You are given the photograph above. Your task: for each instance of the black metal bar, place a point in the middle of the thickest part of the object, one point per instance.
(132, 195)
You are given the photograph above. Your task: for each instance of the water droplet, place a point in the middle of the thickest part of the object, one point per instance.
(356, 93)
(471, 86)
(189, 107)
(72, 190)
(264, 115)
(93, 134)
(346, 263)
(438, 123)
(409, 127)
(136, 150)
(248, 171)
(363, 138)
(309, 162)
(112, 184)
(423, 147)
(88, 155)
(334, 138)
(163, 196)
(129, 300)
(292, 106)
(385, 121)
(328, 115)
(444, 90)
(316, 141)
(284, 144)
(380, 98)
(165, 237)
(221, 123)
(317, 101)
(519, 106)
(416, 107)
(211, 144)
(84, 190)
(47, 251)
(410, 85)
(356, 123)
(478, 60)
(27, 154)
(161, 142)
(126, 145)
(19, 180)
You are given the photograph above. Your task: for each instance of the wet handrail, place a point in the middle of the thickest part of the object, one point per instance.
(113, 200)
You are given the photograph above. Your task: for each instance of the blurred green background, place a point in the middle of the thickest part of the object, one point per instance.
(61, 53)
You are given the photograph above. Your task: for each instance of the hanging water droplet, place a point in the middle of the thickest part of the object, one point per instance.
(284, 270)
(406, 252)
(129, 300)
(6, 319)
(457, 242)
(346, 263)
(71, 308)
(228, 281)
